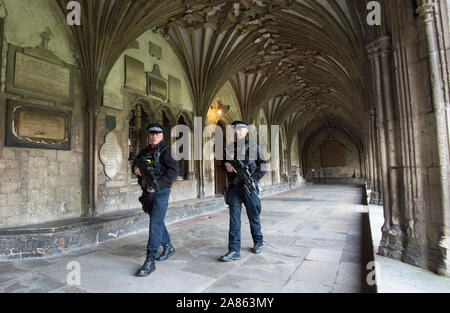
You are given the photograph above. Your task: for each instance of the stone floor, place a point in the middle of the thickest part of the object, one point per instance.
(313, 244)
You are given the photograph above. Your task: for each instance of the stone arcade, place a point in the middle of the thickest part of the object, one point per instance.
(356, 103)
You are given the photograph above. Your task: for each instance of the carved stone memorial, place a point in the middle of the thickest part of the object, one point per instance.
(112, 100)
(135, 79)
(175, 90)
(155, 50)
(37, 73)
(111, 155)
(33, 126)
(157, 85)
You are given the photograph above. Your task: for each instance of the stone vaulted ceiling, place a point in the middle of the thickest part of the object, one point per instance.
(301, 61)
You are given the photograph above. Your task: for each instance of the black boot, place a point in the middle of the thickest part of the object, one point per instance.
(148, 267)
(168, 251)
(257, 248)
(230, 256)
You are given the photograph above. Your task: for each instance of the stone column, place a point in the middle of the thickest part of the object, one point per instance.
(191, 162)
(392, 239)
(370, 166)
(395, 231)
(374, 54)
(427, 12)
(375, 196)
(377, 120)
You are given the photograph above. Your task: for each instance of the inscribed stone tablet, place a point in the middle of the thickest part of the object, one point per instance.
(155, 50)
(40, 76)
(36, 124)
(174, 90)
(135, 78)
(112, 100)
(111, 155)
(157, 86)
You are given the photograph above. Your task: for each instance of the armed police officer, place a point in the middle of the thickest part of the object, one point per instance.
(243, 162)
(156, 171)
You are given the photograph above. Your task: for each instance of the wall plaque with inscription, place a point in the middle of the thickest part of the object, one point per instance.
(155, 50)
(37, 73)
(157, 85)
(111, 155)
(41, 76)
(33, 126)
(175, 90)
(135, 79)
(112, 100)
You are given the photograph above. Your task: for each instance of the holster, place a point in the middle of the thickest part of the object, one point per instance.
(226, 195)
(146, 208)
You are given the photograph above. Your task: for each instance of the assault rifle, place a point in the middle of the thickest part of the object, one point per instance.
(243, 172)
(148, 172)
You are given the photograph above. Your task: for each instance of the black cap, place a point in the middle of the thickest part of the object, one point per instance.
(155, 128)
(239, 124)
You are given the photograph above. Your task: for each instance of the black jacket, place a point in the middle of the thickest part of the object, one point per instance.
(168, 166)
(253, 157)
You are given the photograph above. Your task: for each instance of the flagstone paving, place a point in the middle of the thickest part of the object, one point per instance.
(312, 244)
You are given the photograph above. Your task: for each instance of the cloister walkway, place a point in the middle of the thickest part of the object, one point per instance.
(314, 242)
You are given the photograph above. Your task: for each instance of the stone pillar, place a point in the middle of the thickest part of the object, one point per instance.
(392, 239)
(369, 153)
(375, 196)
(374, 55)
(427, 12)
(396, 232)
(191, 162)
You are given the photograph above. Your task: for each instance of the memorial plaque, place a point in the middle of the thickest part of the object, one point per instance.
(38, 73)
(157, 85)
(112, 100)
(155, 50)
(40, 125)
(41, 76)
(135, 78)
(174, 90)
(35, 126)
(111, 155)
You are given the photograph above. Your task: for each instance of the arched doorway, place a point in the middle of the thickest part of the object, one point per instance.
(220, 176)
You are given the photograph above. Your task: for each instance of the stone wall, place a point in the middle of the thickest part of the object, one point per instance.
(314, 157)
(39, 185)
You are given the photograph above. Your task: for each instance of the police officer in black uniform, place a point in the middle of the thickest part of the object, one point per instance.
(251, 155)
(155, 202)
